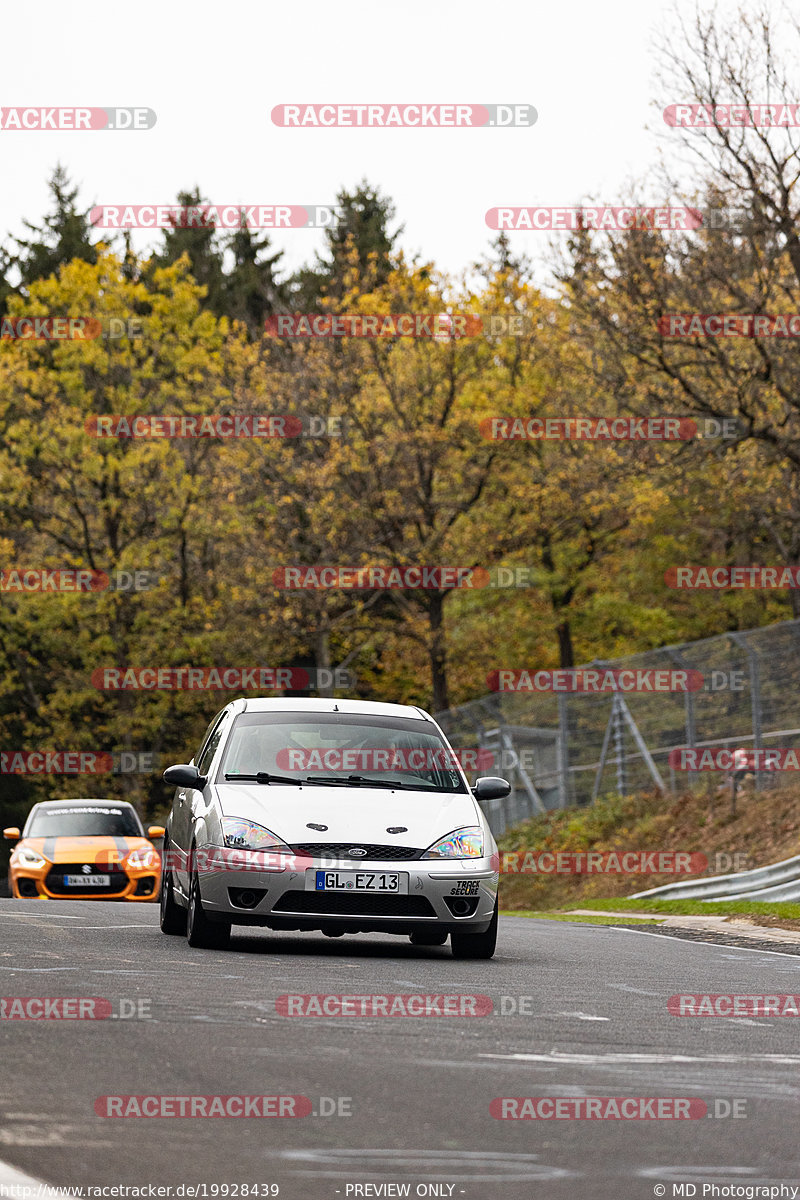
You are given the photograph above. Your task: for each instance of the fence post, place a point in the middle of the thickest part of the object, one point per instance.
(689, 721)
(755, 695)
(563, 752)
(619, 744)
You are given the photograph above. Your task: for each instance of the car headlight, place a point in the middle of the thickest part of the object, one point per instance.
(31, 858)
(239, 834)
(462, 843)
(141, 860)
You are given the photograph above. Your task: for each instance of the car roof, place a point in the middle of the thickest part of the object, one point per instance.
(366, 708)
(92, 800)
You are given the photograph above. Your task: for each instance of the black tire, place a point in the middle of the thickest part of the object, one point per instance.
(475, 945)
(201, 932)
(172, 918)
(432, 937)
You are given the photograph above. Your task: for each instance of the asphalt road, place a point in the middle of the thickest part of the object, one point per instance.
(419, 1088)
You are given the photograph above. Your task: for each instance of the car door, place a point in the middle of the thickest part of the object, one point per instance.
(183, 804)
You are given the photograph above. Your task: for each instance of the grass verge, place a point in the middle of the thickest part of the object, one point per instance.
(582, 920)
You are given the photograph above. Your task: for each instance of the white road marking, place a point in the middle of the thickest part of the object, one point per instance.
(39, 925)
(37, 970)
(693, 942)
(41, 912)
(119, 927)
(602, 1059)
(623, 987)
(483, 1166)
(582, 1016)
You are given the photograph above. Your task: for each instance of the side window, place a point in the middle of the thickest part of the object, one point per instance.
(206, 736)
(210, 748)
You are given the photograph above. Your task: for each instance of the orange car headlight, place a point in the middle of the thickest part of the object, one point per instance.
(31, 859)
(142, 860)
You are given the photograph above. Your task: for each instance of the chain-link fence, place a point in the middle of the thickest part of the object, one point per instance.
(565, 748)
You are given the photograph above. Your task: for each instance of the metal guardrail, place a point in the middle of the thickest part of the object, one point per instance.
(781, 881)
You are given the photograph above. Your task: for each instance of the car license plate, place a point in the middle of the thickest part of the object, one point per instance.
(87, 881)
(360, 881)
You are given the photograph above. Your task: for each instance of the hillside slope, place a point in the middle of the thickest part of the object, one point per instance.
(765, 829)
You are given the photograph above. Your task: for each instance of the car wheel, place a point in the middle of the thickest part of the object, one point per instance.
(201, 932)
(433, 937)
(172, 918)
(475, 945)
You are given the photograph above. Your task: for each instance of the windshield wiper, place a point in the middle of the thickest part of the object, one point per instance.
(354, 779)
(264, 777)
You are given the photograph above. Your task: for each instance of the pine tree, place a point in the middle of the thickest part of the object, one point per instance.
(251, 289)
(201, 244)
(63, 236)
(360, 246)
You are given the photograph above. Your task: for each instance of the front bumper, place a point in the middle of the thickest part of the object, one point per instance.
(43, 883)
(456, 894)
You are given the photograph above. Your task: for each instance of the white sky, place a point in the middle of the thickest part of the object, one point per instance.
(213, 72)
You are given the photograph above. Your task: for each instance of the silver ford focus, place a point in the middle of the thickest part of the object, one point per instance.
(343, 816)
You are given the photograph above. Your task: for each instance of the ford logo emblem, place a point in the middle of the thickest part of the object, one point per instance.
(357, 852)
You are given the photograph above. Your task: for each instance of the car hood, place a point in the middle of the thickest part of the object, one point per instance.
(358, 814)
(85, 849)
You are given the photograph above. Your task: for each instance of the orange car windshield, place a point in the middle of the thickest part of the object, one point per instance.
(84, 820)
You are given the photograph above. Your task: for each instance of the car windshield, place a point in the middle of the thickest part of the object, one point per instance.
(341, 747)
(84, 820)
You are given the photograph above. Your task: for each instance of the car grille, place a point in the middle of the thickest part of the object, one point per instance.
(55, 881)
(363, 904)
(338, 850)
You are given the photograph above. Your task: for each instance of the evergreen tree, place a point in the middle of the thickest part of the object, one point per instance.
(200, 242)
(251, 289)
(63, 236)
(359, 248)
(6, 287)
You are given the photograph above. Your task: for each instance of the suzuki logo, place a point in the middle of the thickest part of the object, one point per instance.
(87, 870)
(357, 852)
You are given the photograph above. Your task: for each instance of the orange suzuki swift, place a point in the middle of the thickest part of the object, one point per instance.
(84, 850)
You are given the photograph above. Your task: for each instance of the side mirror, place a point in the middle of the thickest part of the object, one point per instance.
(155, 832)
(490, 788)
(184, 776)
(12, 834)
